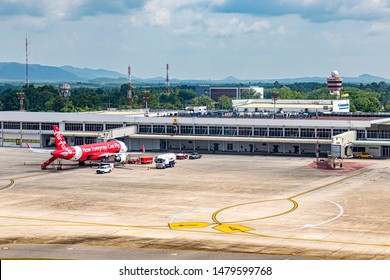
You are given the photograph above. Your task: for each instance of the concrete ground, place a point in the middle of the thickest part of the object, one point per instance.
(280, 206)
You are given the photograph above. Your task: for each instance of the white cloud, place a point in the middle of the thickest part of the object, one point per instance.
(222, 27)
(379, 28)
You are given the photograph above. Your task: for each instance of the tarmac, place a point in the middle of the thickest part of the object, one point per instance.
(238, 206)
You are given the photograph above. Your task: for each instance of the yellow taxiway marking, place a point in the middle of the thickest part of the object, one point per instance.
(295, 206)
(75, 223)
(222, 227)
(327, 185)
(231, 228)
(214, 215)
(188, 225)
(10, 185)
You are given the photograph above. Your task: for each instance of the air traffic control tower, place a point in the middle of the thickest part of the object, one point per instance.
(335, 83)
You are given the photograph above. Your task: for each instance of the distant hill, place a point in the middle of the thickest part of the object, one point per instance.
(364, 79)
(90, 74)
(13, 71)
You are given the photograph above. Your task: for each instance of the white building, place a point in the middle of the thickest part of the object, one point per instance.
(291, 106)
(286, 136)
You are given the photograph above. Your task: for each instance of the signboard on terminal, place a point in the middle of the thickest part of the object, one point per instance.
(341, 105)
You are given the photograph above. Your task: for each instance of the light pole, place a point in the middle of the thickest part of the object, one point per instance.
(274, 98)
(146, 98)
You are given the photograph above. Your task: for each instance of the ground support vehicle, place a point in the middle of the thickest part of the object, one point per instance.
(181, 156)
(195, 155)
(165, 160)
(104, 168)
(146, 160)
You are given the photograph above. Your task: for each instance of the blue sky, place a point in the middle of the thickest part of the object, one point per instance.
(202, 39)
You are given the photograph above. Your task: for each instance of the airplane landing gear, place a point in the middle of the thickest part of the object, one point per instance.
(59, 164)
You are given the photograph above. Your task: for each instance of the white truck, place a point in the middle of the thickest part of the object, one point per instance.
(165, 160)
(104, 168)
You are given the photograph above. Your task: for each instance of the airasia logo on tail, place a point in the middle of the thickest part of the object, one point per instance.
(60, 140)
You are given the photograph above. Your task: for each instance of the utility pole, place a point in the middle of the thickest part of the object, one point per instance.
(167, 80)
(129, 92)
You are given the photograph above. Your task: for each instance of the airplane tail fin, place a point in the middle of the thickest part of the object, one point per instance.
(60, 140)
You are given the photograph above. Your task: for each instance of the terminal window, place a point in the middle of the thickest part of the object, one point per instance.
(339, 131)
(201, 130)
(30, 126)
(93, 127)
(74, 126)
(291, 132)
(260, 131)
(324, 133)
(246, 131)
(308, 133)
(276, 132)
(159, 129)
(230, 130)
(48, 126)
(144, 128)
(215, 130)
(186, 129)
(113, 125)
(11, 125)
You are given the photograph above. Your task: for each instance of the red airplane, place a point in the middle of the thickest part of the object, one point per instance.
(92, 152)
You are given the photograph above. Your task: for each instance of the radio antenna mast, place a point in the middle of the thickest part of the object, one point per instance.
(27, 82)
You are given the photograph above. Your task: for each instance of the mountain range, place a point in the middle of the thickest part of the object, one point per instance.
(16, 72)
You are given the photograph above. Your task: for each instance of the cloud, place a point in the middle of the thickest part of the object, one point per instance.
(222, 27)
(313, 10)
(161, 12)
(379, 28)
(69, 9)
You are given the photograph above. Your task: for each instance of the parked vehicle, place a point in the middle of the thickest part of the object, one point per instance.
(365, 155)
(165, 160)
(104, 168)
(181, 156)
(146, 160)
(195, 155)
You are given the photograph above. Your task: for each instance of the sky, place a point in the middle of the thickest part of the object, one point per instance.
(201, 39)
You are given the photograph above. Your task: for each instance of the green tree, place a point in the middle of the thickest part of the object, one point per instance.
(249, 94)
(203, 100)
(60, 104)
(225, 103)
(38, 96)
(10, 101)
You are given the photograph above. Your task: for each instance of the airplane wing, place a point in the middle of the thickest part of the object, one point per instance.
(126, 153)
(118, 154)
(41, 151)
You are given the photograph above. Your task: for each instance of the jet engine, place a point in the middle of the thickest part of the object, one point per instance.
(122, 158)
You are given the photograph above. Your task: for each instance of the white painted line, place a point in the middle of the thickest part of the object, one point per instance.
(341, 212)
(9, 187)
(178, 215)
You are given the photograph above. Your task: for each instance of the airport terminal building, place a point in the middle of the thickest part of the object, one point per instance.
(173, 132)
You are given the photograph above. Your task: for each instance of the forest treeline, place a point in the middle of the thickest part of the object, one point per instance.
(374, 97)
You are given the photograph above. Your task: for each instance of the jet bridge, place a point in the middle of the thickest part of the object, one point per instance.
(341, 146)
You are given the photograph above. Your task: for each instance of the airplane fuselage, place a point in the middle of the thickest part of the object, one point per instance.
(93, 151)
